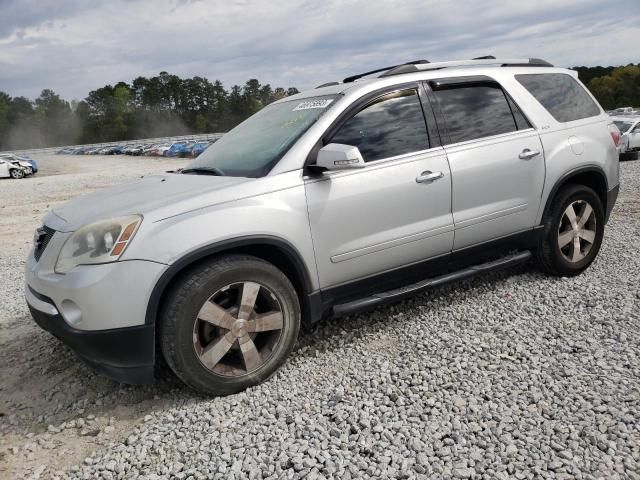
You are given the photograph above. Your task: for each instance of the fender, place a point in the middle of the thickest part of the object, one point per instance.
(194, 256)
(567, 176)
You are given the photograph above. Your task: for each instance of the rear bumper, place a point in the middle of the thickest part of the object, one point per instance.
(124, 354)
(612, 196)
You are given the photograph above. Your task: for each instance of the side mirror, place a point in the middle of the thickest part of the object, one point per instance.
(337, 156)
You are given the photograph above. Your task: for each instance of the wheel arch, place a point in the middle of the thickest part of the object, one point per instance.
(590, 176)
(274, 250)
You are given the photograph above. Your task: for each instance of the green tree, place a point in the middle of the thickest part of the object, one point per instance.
(161, 105)
(620, 88)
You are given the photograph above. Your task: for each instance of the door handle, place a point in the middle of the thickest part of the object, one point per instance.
(428, 176)
(528, 154)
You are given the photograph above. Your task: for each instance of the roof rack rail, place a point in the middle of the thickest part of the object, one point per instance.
(488, 60)
(353, 78)
(328, 84)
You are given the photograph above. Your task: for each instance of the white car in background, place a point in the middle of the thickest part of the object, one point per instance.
(13, 169)
(629, 136)
(624, 111)
(19, 161)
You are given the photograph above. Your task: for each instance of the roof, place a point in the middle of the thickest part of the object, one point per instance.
(424, 70)
(418, 72)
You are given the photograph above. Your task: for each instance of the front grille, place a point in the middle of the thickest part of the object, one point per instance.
(41, 240)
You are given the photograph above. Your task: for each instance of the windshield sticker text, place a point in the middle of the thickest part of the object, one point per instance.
(308, 105)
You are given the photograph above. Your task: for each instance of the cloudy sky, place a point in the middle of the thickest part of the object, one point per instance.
(74, 46)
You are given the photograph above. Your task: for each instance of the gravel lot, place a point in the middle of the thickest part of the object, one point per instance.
(512, 375)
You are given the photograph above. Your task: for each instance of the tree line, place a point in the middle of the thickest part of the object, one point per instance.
(163, 105)
(613, 87)
(166, 105)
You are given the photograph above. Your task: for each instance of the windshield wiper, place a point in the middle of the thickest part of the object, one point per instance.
(202, 171)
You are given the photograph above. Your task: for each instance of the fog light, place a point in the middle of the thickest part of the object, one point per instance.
(71, 313)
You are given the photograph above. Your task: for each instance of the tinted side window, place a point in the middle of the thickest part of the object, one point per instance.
(475, 111)
(561, 95)
(392, 125)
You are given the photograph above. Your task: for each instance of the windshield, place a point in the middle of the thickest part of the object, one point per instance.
(623, 126)
(252, 148)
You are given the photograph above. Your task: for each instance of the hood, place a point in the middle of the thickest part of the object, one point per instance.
(154, 197)
(21, 163)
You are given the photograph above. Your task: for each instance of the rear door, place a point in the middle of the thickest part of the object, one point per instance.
(385, 215)
(496, 159)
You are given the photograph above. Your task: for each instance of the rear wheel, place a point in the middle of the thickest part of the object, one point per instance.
(229, 324)
(15, 173)
(573, 231)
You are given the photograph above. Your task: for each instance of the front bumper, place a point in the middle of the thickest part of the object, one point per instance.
(98, 310)
(124, 354)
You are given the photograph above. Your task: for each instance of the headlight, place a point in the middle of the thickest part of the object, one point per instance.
(100, 242)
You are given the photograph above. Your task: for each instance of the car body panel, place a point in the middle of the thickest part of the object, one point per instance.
(509, 198)
(378, 217)
(155, 196)
(272, 207)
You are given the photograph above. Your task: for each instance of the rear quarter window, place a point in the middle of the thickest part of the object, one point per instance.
(563, 97)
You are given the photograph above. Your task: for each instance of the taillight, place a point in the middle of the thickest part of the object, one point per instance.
(615, 134)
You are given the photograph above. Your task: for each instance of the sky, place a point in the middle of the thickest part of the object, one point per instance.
(75, 46)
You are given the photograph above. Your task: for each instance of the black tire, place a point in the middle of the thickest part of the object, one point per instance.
(182, 306)
(627, 156)
(548, 254)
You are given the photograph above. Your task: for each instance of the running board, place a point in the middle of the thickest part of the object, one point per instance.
(399, 293)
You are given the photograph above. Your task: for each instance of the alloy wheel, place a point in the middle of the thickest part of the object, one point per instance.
(577, 231)
(237, 329)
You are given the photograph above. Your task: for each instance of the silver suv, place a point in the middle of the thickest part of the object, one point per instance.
(336, 200)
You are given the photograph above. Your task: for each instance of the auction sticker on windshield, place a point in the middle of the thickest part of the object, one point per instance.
(313, 104)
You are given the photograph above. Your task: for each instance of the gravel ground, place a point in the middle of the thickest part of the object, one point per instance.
(511, 375)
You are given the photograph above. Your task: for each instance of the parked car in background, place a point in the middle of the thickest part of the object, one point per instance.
(629, 127)
(26, 161)
(158, 150)
(115, 150)
(133, 149)
(13, 169)
(186, 150)
(175, 149)
(624, 111)
(28, 171)
(198, 148)
(148, 148)
(326, 203)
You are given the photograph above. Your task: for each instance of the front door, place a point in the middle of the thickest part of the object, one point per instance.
(393, 212)
(496, 158)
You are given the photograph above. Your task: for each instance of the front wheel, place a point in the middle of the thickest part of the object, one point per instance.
(229, 324)
(17, 174)
(573, 231)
